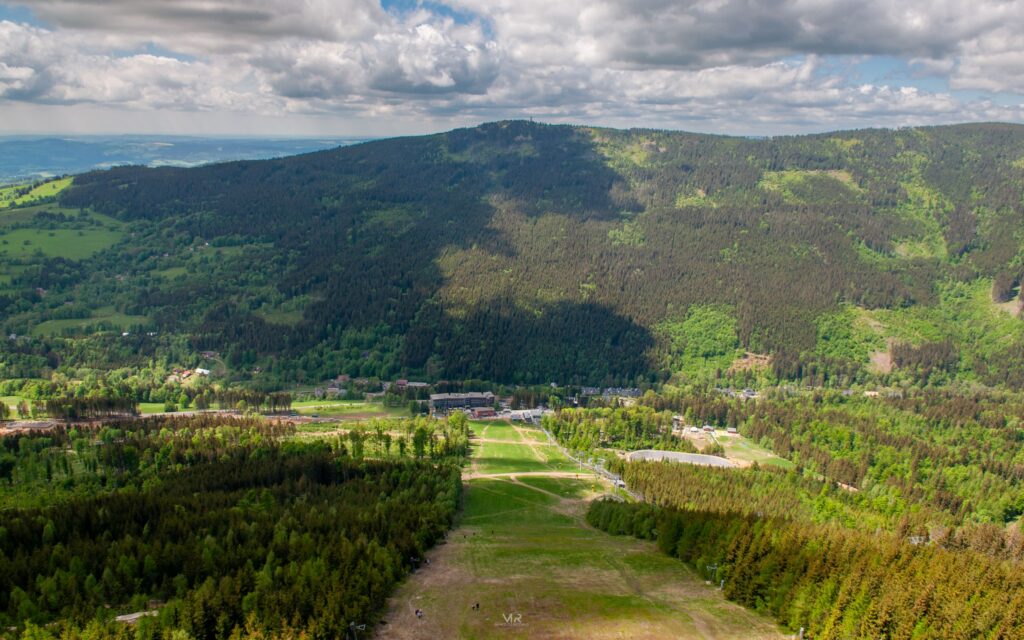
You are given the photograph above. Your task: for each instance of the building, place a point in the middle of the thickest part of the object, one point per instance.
(484, 412)
(448, 401)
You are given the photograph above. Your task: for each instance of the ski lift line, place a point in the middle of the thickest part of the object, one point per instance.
(598, 469)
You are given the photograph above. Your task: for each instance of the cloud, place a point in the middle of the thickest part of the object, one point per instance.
(205, 26)
(721, 65)
(700, 34)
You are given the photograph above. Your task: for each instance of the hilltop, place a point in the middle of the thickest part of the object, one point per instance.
(522, 252)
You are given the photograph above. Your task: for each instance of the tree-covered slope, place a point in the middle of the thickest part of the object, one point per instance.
(516, 251)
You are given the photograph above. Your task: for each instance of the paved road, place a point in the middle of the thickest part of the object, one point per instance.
(676, 456)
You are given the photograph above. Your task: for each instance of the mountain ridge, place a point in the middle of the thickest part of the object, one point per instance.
(526, 252)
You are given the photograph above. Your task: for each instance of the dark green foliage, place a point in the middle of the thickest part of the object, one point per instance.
(834, 583)
(235, 529)
(945, 452)
(528, 253)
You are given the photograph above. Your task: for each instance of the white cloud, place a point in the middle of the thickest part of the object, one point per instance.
(721, 65)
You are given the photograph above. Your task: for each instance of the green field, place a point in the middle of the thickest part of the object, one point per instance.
(65, 243)
(29, 235)
(745, 450)
(522, 547)
(350, 409)
(13, 196)
(106, 315)
(503, 449)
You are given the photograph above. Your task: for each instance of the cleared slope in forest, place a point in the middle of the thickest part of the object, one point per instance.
(523, 552)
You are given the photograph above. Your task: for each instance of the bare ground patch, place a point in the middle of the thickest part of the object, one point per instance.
(750, 360)
(881, 361)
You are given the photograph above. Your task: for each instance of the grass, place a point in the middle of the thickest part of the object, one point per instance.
(66, 243)
(347, 408)
(522, 547)
(170, 273)
(105, 315)
(12, 405)
(13, 195)
(746, 450)
(151, 407)
(279, 316)
(506, 451)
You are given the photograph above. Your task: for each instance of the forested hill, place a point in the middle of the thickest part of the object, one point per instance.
(521, 252)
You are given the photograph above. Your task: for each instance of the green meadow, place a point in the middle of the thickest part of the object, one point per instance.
(104, 316)
(23, 194)
(523, 552)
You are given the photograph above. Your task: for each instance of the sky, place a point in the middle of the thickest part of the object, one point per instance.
(367, 68)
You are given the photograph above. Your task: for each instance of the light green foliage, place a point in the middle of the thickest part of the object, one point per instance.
(630, 235)
(694, 198)
(804, 186)
(924, 208)
(705, 339)
(847, 335)
(25, 194)
(965, 314)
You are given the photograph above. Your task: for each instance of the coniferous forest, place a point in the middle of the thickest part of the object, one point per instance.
(524, 253)
(219, 527)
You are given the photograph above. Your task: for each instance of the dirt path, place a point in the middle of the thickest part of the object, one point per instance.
(529, 442)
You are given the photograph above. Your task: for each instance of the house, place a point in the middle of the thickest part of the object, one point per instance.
(732, 430)
(621, 392)
(401, 384)
(483, 412)
(709, 429)
(449, 401)
(343, 378)
(202, 372)
(526, 415)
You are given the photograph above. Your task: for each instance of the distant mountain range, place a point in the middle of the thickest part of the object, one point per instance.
(34, 157)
